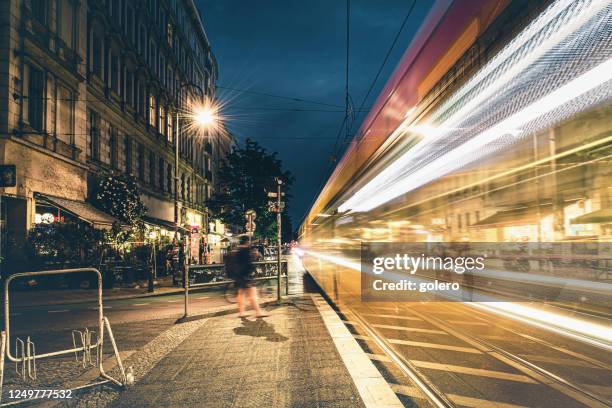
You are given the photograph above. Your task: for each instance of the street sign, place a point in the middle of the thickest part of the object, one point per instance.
(250, 215)
(273, 206)
(8, 175)
(273, 194)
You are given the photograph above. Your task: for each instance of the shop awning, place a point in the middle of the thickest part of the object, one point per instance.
(602, 216)
(80, 209)
(162, 224)
(515, 216)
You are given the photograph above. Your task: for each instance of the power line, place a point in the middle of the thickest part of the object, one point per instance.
(347, 99)
(384, 62)
(229, 108)
(347, 96)
(277, 96)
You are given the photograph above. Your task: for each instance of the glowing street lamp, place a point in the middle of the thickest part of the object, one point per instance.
(202, 116)
(205, 116)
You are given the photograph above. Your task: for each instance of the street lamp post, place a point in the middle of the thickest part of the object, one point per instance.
(205, 116)
(176, 175)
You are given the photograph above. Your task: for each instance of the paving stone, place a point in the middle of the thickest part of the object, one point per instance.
(287, 360)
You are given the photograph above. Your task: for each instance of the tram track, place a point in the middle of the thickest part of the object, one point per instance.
(536, 372)
(419, 378)
(435, 395)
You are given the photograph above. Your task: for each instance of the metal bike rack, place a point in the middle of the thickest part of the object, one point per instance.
(84, 342)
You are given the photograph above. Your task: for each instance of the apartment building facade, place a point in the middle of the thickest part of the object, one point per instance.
(104, 87)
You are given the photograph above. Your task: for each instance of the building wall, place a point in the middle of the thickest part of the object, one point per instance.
(91, 87)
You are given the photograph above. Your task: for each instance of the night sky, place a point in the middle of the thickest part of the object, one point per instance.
(297, 49)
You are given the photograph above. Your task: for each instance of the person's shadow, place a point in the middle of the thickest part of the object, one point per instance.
(259, 328)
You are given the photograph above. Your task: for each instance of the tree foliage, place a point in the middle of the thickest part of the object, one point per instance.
(245, 176)
(119, 196)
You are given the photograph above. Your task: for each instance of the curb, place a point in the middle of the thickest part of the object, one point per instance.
(374, 390)
(108, 298)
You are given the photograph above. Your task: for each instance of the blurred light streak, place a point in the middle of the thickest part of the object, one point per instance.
(473, 149)
(544, 35)
(579, 329)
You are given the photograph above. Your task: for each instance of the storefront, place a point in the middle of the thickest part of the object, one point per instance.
(56, 210)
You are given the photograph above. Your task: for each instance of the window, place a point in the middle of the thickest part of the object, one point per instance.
(141, 161)
(152, 55)
(114, 72)
(152, 111)
(129, 88)
(182, 186)
(127, 152)
(169, 181)
(96, 55)
(142, 40)
(130, 28)
(188, 198)
(116, 10)
(142, 99)
(93, 145)
(170, 131)
(66, 22)
(36, 98)
(162, 120)
(467, 220)
(170, 33)
(161, 174)
(39, 10)
(65, 114)
(162, 69)
(170, 80)
(152, 168)
(113, 140)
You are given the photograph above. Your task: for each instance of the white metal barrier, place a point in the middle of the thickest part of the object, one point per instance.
(220, 279)
(84, 341)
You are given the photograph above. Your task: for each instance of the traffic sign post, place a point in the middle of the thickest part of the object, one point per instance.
(279, 182)
(250, 222)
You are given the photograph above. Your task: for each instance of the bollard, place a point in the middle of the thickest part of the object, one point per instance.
(286, 279)
(186, 292)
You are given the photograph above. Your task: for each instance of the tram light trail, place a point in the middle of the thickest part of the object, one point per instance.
(580, 329)
(414, 168)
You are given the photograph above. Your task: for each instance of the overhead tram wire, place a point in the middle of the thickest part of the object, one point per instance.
(345, 120)
(386, 59)
(277, 96)
(347, 96)
(283, 109)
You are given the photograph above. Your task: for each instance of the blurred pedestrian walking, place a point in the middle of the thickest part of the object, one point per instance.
(239, 267)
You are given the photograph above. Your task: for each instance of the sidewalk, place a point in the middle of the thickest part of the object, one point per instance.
(285, 360)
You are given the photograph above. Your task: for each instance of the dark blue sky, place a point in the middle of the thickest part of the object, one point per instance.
(297, 49)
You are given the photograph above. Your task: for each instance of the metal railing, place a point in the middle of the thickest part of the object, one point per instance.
(26, 356)
(215, 275)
